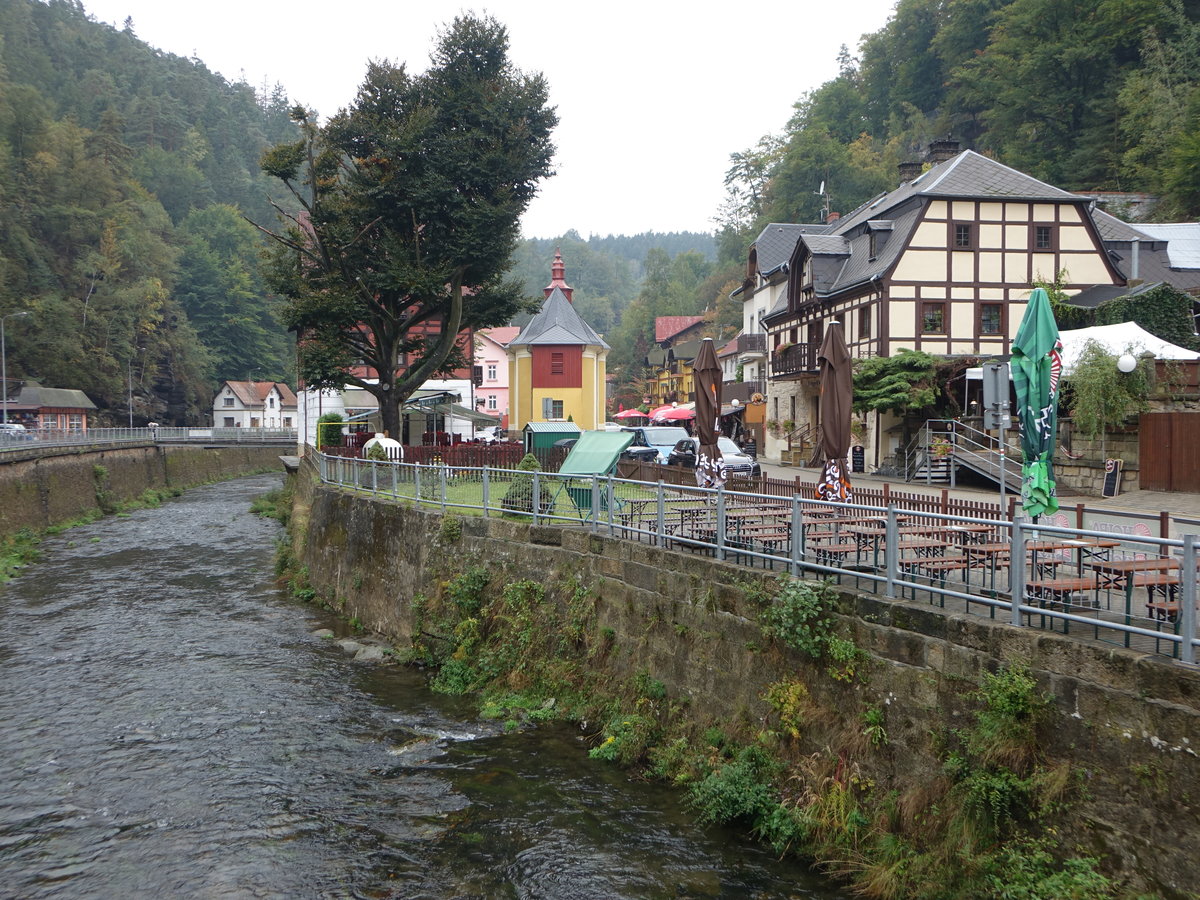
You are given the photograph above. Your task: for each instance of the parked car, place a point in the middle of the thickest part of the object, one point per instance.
(490, 434)
(661, 437)
(14, 431)
(640, 454)
(737, 463)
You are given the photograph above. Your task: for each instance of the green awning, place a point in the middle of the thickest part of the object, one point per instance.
(596, 452)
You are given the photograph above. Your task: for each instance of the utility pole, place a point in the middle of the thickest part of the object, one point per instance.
(4, 362)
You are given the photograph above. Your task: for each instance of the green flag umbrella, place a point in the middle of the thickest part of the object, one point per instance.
(1036, 367)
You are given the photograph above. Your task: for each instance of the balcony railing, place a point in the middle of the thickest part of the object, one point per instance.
(794, 360)
(751, 343)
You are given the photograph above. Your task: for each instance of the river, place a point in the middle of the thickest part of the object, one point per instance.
(171, 726)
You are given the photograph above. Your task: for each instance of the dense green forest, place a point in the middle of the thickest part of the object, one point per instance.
(129, 178)
(126, 175)
(1084, 94)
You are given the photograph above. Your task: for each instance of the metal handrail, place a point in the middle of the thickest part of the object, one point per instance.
(711, 530)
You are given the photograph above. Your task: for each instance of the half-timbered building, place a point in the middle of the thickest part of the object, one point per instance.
(943, 264)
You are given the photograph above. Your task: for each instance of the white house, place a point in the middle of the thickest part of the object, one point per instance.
(254, 404)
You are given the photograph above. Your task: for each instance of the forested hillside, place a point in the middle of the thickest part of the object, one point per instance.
(1093, 94)
(125, 174)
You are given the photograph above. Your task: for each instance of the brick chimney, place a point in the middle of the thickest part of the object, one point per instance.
(909, 170)
(832, 217)
(940, 151)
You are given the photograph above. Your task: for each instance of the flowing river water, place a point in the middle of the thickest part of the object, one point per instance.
(170, 726)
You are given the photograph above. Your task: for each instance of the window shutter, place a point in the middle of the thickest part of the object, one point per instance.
(547, 409)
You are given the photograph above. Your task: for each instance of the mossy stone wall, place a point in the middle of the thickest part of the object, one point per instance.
(1127, 725)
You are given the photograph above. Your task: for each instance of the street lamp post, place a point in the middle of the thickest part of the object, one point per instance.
(4, 363)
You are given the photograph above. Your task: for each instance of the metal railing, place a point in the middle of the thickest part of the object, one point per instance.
(1063, 590)
(59, 437)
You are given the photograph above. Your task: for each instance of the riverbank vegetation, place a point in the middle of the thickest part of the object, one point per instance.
(814, 770)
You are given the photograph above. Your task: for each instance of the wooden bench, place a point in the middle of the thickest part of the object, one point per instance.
(1059, 590)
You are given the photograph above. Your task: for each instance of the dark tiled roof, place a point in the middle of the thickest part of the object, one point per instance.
(34, 395)
(842, 256)
(1102, 293)
(558, 323)
(1113, 229)
(777, 241)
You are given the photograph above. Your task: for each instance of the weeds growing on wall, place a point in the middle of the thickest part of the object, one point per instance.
(17, 551)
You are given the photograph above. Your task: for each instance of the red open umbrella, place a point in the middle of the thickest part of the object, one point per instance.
(630, 414)
(675, 414)
(659, 410)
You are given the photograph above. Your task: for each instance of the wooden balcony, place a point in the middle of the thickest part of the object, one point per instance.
(798, 359)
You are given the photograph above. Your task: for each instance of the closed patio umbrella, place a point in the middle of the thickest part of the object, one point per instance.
(706, 372)
(1036, 369)
(837, 398)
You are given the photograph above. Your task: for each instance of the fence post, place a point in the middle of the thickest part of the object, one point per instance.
(612, 500)
(442, 486)
(1187, 600)
(417, 484)
(1016, 566)
(891, 551)
(661, 514)
(797, 537)
(537, 496)
(595, 502)
(374, 479)
(395, 479)
(721, 522)
(486, 487)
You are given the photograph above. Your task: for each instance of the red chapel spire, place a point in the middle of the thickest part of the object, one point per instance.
(557, 276)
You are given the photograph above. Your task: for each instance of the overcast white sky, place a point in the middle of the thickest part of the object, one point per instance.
(652, 96)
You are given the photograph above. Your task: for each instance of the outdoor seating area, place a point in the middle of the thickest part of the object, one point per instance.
(1127, 589)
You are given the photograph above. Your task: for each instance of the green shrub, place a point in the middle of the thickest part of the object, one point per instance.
(466, 589)
(799, 616)
(1026, 870)
(519, 496)
(739, 791)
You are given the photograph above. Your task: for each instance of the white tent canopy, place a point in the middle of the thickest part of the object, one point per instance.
(1124, 337)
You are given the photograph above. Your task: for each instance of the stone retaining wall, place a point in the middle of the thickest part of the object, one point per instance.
(42, 489)
(1127, 725)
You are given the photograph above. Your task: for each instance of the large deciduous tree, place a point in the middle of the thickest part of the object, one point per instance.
(410, 202)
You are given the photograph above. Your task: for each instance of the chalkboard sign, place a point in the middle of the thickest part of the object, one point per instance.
(1112, 478)
(858, 459)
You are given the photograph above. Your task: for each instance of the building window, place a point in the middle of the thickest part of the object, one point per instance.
(864, 322)
(557, 364)
(491, 401)
(229, 423)
(271, 402)
(1043, 237)
(287, 421)
(874, 249)
(75, 421)
(933, 318)
(991, 318)
(491, 371)
(228, 401)
(551, 409)
(964, 236)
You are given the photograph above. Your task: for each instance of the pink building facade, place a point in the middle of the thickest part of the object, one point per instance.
(491, 396)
